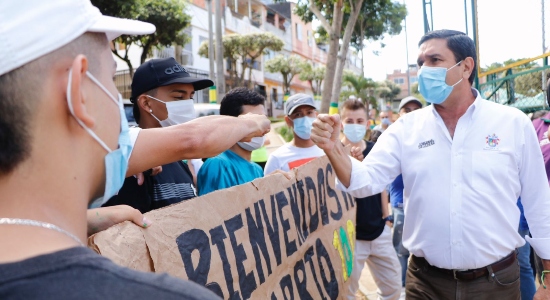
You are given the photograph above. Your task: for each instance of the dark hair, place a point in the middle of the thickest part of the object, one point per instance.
(135, 109)
(18, 102)
(375, 135)
(353, 104)
(232, 103)
(458, 42)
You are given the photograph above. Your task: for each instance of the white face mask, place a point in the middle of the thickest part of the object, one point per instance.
(255, 143)
(179, 112)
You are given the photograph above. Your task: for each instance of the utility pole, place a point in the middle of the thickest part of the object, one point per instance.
(466, 16)
(211, 55)
(407, 51)
(220, 76)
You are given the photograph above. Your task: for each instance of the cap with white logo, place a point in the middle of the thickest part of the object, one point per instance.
(161, 72)
(298, 100)
(30, 29)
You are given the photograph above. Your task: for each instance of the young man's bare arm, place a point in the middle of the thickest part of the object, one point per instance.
(202, 137)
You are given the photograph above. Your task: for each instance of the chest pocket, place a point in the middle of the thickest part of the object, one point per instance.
(489, 169)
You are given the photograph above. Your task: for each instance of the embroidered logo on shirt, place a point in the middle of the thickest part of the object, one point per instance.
(426, 144)
(492, 142)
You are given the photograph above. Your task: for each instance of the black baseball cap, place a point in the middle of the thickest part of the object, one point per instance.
(159, 72)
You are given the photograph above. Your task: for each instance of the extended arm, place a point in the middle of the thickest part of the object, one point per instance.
(325, 134)
(202, 137)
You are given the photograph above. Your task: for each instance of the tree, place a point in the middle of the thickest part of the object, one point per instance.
(528, 85)
(342, 15)
(288, 66)
(361, 87)
(315, 77)
(388, 90)
(244, 49)
(167, 15)
(331, 16)
(377, 17)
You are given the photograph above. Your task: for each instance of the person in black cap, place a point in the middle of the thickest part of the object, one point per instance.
(162, 92)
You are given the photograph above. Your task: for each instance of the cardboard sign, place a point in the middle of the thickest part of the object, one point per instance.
(272, 238)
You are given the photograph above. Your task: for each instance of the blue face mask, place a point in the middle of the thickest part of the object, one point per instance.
(302, 127)
(116, 161)
(386, 121)
(354, 132)
(432, 85)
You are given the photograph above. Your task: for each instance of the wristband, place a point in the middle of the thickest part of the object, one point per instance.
(389, 218)
(542, 277)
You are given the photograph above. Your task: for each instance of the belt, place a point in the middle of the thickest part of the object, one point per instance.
(468, 274)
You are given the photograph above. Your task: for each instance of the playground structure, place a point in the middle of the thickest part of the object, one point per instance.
(499, 85)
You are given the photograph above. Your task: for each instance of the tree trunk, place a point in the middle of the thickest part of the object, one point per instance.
(362, 47)
(332, 56)
(146, 49)
(125, 59)
(337, 84)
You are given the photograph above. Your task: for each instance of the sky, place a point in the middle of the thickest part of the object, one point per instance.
(507, 29)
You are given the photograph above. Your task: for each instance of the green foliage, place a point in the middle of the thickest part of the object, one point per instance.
(528, 85)
(315, 76)
(286, 133)
(361, 87)
(378, 18)
(167, 15)
(387, 90)
(244, 49)
(288, 66)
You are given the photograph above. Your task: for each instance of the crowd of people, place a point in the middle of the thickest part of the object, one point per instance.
(463, 170)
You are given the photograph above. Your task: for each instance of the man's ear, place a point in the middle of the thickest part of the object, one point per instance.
(143, 103)
(289, 122)
(468, 67)
(77, 96)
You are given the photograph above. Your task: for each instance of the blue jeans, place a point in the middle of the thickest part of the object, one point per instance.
(402, 252)
(527, 280)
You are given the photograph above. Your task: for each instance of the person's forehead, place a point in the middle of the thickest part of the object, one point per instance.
(411, 104)
(357, 113)
(434, 47)
(178, 87)
(255, 109)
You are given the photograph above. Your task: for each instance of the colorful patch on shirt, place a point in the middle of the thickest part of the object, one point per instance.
(491, 142)
(299, 162)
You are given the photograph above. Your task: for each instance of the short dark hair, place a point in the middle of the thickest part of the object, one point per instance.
(18, 102)
(232, 103)
(353, 104)
(375, 135)
(458, 42)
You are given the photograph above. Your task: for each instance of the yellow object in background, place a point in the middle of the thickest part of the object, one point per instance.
(333, 109)
(212, 94)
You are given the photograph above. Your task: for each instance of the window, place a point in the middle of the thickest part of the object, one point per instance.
(309, 38)
(299, 31)
(399, 80)
(202, 39)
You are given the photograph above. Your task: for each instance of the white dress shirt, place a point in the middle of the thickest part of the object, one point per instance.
(461, 193)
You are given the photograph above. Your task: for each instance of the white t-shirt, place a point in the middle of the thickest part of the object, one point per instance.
(288, 157)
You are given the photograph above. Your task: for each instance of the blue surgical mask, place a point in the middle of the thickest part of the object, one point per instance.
(432, 85)
(302, 127)
(116, 161)
(386, 121)
(355, 132)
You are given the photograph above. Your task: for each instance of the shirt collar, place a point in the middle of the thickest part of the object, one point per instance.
(472, 109)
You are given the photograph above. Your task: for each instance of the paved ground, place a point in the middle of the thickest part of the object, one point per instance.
(367, 287)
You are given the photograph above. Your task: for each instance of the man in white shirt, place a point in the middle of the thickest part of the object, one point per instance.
(464, 161)
(300, 114)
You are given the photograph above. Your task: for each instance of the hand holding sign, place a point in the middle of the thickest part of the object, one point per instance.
(326, 131)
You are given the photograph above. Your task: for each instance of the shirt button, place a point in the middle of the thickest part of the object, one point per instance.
(453, 213)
